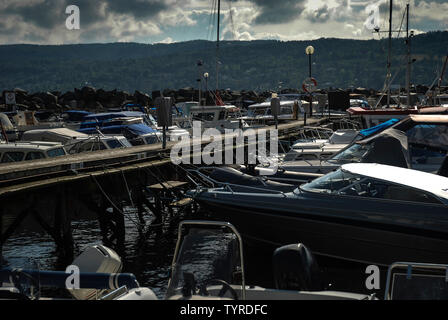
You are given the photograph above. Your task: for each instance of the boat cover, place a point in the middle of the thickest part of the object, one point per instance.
(112, 115)
(389, 147)
(61, 135)
(76, 115)
(136, 129)
(6, 123)
(378, 128)
(233, 176)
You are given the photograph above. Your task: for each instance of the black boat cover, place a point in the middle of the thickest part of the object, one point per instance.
(389, 147)
(234, 176)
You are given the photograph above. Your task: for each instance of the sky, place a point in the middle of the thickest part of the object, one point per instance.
(168, 21)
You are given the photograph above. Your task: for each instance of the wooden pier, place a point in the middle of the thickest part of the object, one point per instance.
(54, 192)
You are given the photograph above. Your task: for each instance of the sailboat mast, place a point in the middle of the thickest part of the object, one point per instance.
(217, 46)
(389, 55)
(408, 70)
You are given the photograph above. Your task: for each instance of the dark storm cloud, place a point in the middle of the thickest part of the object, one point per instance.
(278, 11)
(46, 14)
(396, 7)
(140, 9)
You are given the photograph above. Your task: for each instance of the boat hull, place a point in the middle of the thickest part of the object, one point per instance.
(367, 242)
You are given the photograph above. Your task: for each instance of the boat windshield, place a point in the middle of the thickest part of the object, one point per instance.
(354, 153)
(332, 182)
(203, 254)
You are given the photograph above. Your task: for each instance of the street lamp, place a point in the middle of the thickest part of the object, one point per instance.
(310, 51)
(206, 81)
(206, 86)
(199, 64)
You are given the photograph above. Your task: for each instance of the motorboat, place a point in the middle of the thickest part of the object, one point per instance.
(60, 135)
(135, 133)
(260, 113)
(93, 275)
(208, 264)
(388, 147)
(418, 142)
(33, 150)
(364, 212)
(321, 149)
(132, 124)
(97, 142)
(315, 149)
(220, 117)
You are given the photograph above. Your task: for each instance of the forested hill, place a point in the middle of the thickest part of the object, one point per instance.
(245, 65)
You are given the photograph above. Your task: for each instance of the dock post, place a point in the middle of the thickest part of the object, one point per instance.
(120, 230)
(140, 210)
(62, 229)
(66, 225)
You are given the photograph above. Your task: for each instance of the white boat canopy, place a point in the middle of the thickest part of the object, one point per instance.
(428, 182)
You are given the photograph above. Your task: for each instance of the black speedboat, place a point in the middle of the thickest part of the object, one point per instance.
(363, 212)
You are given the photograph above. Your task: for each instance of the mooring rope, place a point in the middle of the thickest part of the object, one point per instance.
(127, 188)
(137, 224)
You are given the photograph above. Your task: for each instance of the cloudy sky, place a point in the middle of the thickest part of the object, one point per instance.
(153, 21)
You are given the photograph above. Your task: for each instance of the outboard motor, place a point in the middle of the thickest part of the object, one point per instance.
(295, 268)
(97, 258)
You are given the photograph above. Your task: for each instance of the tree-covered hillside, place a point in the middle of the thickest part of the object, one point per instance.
(249, 65)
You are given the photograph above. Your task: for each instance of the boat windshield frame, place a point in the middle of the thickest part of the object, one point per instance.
(338, 157)
(204, 225)
(356, 178)
(373, 188)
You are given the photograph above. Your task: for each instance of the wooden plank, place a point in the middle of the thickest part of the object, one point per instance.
(24, 187)
(167, 185)
(181, 203)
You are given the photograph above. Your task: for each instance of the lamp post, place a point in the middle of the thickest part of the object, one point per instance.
(310, 51)
(199, 64)
(206, 86)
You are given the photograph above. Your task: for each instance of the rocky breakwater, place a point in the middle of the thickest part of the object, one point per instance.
(98, 100)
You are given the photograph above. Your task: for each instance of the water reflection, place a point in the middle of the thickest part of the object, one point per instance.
(147, 255)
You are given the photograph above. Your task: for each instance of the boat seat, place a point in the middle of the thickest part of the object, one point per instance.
(295, 268)
(407, 194)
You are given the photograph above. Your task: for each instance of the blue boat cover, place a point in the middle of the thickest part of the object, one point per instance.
(378, 128)
(112, 115)
(76, 115)
(136, 129)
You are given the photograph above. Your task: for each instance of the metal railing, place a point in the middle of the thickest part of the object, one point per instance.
(215, 224)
